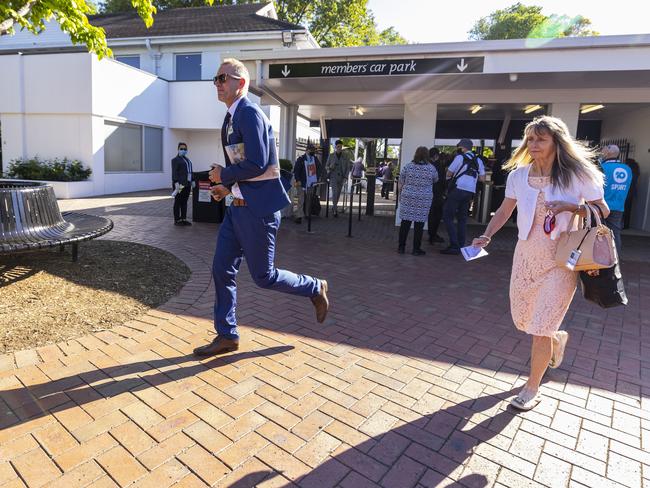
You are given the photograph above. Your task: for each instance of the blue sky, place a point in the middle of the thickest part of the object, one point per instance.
(444, 21)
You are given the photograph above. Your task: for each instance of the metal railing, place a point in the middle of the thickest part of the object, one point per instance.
(358, 185)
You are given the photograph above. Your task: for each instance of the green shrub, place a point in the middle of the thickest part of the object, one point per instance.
(49, 170)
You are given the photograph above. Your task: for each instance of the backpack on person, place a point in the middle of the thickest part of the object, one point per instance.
(471, 169)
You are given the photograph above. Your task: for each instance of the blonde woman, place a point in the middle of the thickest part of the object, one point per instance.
(552, 177)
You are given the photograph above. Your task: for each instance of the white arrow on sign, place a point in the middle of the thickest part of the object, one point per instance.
(285, 72)
(462, 66)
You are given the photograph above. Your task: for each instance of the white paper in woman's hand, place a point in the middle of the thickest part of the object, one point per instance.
(470, 252)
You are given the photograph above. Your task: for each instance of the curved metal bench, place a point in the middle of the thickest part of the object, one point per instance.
(30, 220)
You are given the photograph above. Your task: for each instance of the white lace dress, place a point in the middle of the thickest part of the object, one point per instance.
(540, 290)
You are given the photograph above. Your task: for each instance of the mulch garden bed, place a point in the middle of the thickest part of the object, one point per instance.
(46, 298)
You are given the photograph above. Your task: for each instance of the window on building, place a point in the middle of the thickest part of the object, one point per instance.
(188, 67)
(132, 148)
(131, 60)
(152, 149)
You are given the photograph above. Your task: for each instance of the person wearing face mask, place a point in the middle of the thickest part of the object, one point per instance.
(307, 171)
(181, 184)
(338, 167)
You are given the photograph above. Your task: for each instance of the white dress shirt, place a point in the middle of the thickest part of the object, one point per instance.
(236, 192)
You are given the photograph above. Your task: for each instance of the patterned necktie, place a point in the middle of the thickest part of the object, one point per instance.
(224, 136)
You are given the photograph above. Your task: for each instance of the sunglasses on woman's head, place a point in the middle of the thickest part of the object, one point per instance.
(549, 223)
(221, 79)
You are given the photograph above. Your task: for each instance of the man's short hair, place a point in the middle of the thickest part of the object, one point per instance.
(338, 141)
(238, 68)
(181, 144)
(612, 150)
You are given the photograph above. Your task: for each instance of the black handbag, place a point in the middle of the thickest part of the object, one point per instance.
(605, 289)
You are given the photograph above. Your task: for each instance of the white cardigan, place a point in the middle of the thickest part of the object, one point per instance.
(518, 189)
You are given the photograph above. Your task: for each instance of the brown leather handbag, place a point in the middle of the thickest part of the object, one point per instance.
(589, 247)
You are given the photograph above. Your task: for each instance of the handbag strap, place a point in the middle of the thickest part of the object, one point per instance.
(590, 211)
(598, 213)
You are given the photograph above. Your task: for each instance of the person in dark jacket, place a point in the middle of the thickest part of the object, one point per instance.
(438, 202)
(387, 180)
(181, 184)
(307, 172)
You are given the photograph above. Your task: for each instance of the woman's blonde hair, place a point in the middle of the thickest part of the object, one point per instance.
(421, 155)
(572, 158)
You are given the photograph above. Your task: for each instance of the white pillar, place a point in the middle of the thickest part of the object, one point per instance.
(569, 113)
(288, 121)
(419, 128)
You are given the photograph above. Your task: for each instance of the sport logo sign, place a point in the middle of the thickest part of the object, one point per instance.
(620, 175)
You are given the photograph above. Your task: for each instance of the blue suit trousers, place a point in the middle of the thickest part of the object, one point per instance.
(242, 235)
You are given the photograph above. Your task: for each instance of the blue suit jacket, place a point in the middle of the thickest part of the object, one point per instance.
(251, 126)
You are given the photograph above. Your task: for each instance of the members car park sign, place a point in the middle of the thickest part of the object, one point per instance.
(386, 67)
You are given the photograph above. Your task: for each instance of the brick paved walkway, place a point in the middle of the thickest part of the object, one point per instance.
(406, 384)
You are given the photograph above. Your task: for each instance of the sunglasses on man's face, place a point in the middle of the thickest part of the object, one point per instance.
(221, 79)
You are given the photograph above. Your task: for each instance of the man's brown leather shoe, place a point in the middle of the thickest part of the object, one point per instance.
(321, 303)
(220, 345)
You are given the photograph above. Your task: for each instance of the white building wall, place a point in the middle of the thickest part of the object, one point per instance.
(57, 84)
(125, 94)
(12, 138)
(194, 105)
(210, 62)
(48, 111)
(211, 53)
(304, 131)
(59, 135)
(635, 126)
(23, 39)
(204, 149)
(11, 82)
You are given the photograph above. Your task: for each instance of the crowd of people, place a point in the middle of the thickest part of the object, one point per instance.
(551, 178)
(435, 187)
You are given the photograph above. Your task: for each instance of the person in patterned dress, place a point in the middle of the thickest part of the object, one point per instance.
(552, 177)
(416, 182)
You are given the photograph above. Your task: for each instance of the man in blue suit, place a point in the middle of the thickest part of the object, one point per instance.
(252, 186)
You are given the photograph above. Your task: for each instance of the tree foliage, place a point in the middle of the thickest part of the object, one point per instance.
(522, 21)
(337, 23)
(333, 23)
(72, 16)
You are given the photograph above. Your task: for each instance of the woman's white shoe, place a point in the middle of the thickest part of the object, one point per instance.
(559, 345)
(526, 401)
